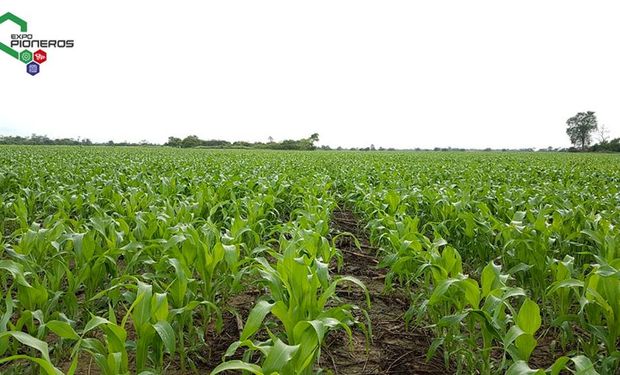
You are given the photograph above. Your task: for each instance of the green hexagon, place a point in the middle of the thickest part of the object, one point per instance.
(25, 56)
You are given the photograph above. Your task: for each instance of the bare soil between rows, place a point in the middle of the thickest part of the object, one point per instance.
(394, 349)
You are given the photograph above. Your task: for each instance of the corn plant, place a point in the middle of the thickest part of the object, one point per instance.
(300, 289)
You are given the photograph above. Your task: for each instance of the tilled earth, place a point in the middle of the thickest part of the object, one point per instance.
(394, 349)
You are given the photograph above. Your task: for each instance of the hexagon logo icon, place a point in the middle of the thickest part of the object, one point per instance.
(33, 68)
(25, 56)
(40, 56)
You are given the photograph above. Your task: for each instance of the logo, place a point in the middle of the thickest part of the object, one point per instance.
(22, 45)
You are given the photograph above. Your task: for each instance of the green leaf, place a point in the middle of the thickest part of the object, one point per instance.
(521, 368)
(518, 217)
(74, 363)
(357, 282)
(489, 275)
(472, 292)
(30, 341)
(525, 344)
(238, 365)
(568, 283)
(142, 310)
(115, 362)
(441, 290)
(93, 345)
(165, 331)
(45, 365)
(583, 366)
(512, 335)
(558, 365)
(62, 329)
(528, 318)
(450, 320)
(255, 319)
(159, 306)
(279, 357)
(519, 268)
(16, 270)
(95, 322)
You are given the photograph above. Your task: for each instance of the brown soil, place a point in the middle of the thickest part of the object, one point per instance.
(394, 349)
(231, 329)
(549, 349)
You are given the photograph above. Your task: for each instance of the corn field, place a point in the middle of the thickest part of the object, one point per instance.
(138, 260)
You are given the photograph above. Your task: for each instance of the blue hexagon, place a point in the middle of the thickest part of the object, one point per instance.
(33, 68)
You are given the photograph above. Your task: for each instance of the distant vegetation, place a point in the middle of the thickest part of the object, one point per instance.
(36, 139)
(607, 146)
(187, 142)
(581, 128)
(288, 144)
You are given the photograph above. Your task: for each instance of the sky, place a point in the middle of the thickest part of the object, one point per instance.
(401, 74)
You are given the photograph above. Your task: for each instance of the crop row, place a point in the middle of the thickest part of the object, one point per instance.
(128, 260)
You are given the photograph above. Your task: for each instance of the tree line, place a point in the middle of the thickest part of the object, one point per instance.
(191, 141)
(580, 129)
(36, 139)
(287, 144)
(43, 140)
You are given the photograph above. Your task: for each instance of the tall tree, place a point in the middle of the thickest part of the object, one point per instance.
(190, 141)
(580, 128)
(174, 142)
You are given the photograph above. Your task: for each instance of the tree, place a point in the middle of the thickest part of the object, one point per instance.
(173, 142)
(190, 141)
(603, 134)
(308, 144)
(580, 128)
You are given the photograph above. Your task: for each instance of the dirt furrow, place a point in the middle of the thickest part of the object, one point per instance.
(393, 349)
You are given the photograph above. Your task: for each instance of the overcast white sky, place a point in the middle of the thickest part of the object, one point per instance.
(393, 73)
